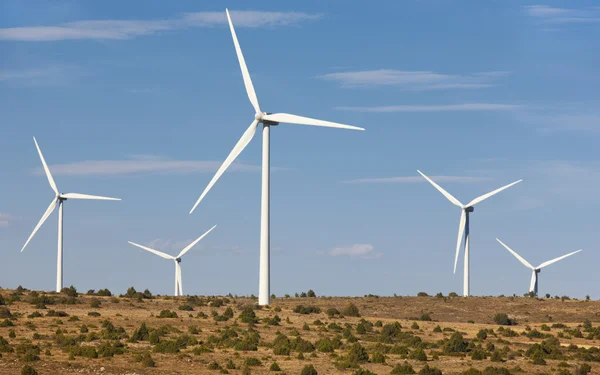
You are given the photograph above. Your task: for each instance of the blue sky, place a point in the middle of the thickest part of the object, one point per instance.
(143, 101)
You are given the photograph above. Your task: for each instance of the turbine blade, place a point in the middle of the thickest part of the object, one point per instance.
(556, 259)
(532, 283)
(461, 231)
(86, 196)
(492, 193)
(520, 258)
(441, 190)
(159, 253)
(237, 149)
(42, 220)
(46, 169)
(243, 67)
(293, 119)
(188, 247)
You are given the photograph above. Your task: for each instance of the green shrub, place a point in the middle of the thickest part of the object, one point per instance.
(94, 313)
(35, 314)
(95, 303)
(301, 309)
(419, 355)
(252, 361)
(503, 319)
(422, 294)
(426, 317)
(496, 371)
(308, 370)
(404, 368)
(377, 357)
(361, 371)
(274, 367)
(437, 329)
(332, 311)
(214, 366)
(414, 325)
(70, 291)
(28, 370)
(357, 354)
(456, 344)
(351, 310)
(482, 334)
(248, 316)
(7, 323)
(186, 308)
(311, 293)
(426, 370)
(145, 359)
(167, 314)
(104, 293)
(478, 355)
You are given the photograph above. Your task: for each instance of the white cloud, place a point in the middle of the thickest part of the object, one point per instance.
(417, 179)
(142, 165)
(128, 29)
(435, 108)
(365, 251)
(5, 219)
(414, 80)
(551, 15)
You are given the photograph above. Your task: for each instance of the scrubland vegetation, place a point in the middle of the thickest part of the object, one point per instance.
(138, 332)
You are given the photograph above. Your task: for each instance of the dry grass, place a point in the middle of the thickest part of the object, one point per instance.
(466, 315)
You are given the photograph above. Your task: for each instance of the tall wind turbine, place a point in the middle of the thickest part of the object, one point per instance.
(463, 226)
(533, 286)
(59, 199)
(268, 120)
(176, 259)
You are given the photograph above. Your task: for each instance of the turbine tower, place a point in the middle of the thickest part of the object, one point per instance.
(268, 120)
(463, 226)
(176, 259)
(533, 286)
(59, 200)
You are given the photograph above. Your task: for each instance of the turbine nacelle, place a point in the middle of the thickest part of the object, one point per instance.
(178, 260)
(469, 209)
(259, 116)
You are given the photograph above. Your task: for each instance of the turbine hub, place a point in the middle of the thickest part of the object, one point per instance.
(258, 116)
(178, 260)
(60, 197)
(469, 209)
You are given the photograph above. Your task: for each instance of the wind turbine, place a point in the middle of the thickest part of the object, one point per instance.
(268, 120)
(463, 226)
(59, 199)
(176, 259)
(533, 286)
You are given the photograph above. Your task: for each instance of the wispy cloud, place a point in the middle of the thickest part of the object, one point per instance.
(128, 29)
(364, 251)
(551, 15)
(53, 75)
(435, 108)
(139, 165)
(414, 80)
(5, 219)
(559, 120)
(418, 179)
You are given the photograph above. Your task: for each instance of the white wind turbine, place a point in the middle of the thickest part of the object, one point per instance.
(176, 259)
(268, 120)
(533, 286)
(59, 199)
(463, 226)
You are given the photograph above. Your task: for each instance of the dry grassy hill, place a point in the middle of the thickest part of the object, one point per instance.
(91, 334)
